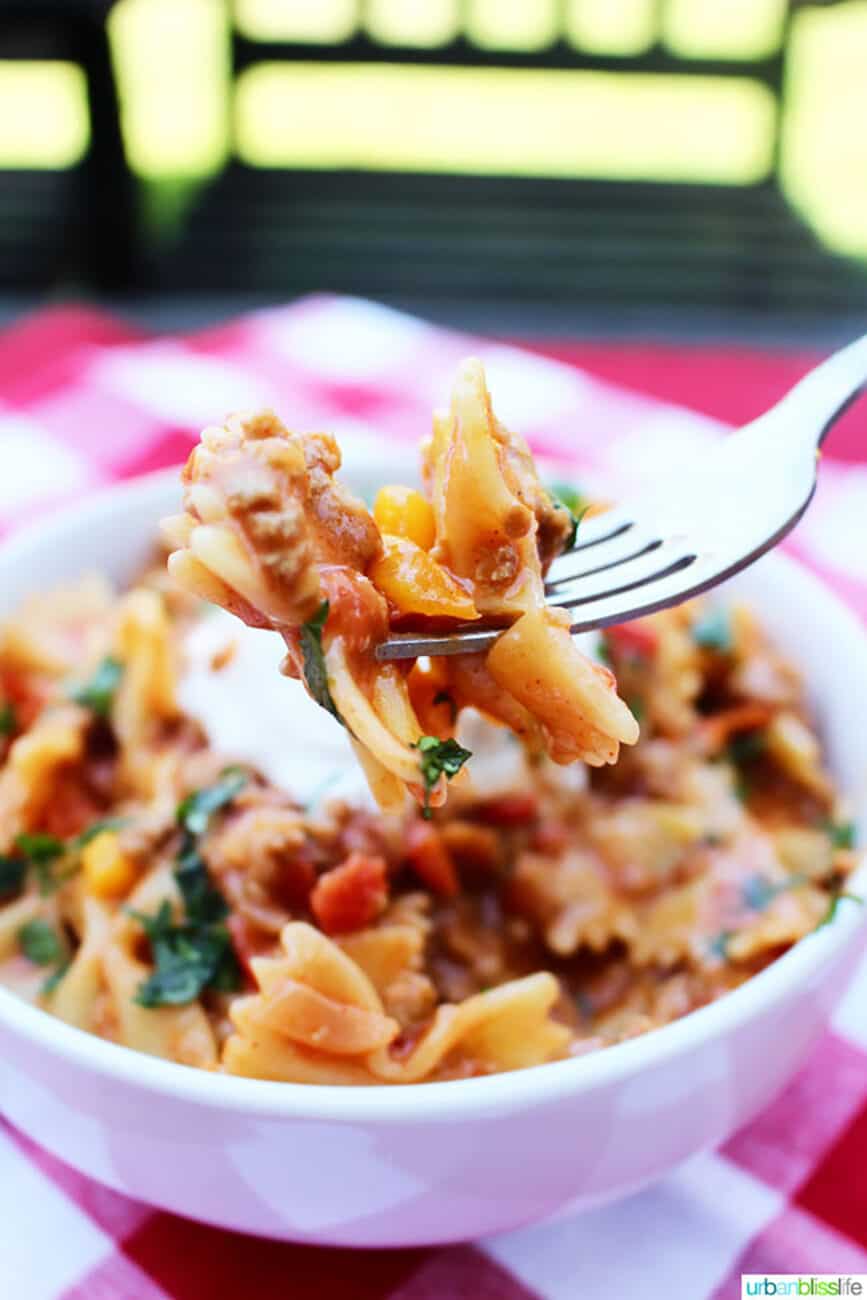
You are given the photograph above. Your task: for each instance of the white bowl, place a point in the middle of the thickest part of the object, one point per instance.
(435, 1162)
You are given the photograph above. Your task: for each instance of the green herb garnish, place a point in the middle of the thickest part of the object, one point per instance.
(12, 873)
(569, 498)
(636, 707)
(98, 693)
(836, 900)
(50, 983)
(315, 674)
(195, 953)
(8, 720)
(438, 758)
(713, 631)
(43, 853)
(203, 901)
(96, 828)
(40, 943)
(841, 834)
(52, 860)
(195, 812)
(187, 959)
(603, 651)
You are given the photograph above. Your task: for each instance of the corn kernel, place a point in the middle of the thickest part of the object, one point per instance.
(108, 871)
(404, 512)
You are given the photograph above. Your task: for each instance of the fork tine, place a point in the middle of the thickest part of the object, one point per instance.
(598, 529)
(652, 563)
(662, 570)
(628, 545)
(680, 582)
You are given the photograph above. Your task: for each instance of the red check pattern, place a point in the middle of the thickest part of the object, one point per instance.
(86, 400)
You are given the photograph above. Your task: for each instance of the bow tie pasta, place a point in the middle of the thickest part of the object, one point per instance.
(270, 534)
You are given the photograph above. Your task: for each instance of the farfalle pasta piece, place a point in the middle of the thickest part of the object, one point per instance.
(318, 1018)
(574, 700)
(146, 695)
(76, 996)
(270, 534)
(505, 1028)
(572, 901)
(181, 1033)
(35, 763)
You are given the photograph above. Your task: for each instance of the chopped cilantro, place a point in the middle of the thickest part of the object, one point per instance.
(12, 873)
(636, 707)
(52, 860)
(842, 834)
(196, 810)
(833, 906)
(39, 846)
(203, 901)
(315, 674)
(603, 651)
(8, 720)
(713, 631)
(438, 758)
(96, 828)
(187, 959)
(98, 693)
(40, 943)
(43, 853)
(50, 983)
(195, 953)
(569, 498)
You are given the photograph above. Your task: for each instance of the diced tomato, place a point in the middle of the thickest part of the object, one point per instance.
(639, 637)
(428, 856)
(518, 809)
(71, 808)
(350, 896)
(27, 694)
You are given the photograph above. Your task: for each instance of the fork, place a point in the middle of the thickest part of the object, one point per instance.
(698, 523)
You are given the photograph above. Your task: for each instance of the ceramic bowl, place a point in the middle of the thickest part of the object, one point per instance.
(436, 1162)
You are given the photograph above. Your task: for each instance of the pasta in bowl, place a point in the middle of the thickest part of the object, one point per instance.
(544, 913)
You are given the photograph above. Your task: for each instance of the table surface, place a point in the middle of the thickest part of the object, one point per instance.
(787, 1192)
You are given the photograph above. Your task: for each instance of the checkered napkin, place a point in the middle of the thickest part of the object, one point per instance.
(85, 401)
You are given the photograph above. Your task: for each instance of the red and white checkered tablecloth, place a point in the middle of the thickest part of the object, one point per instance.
(84, 401)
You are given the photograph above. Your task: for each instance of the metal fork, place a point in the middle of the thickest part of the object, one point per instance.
(698, 523)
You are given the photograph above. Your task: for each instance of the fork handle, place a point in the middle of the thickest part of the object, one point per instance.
(820, 398)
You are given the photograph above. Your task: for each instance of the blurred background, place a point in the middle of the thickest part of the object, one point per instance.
(561, 167)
